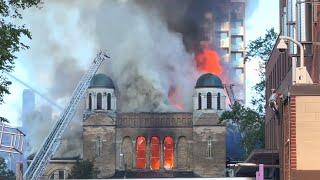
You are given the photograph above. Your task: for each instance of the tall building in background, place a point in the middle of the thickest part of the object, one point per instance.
(28, 104)
(230, 37)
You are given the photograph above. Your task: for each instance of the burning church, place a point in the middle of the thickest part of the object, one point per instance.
(154, 112)
(151, 144)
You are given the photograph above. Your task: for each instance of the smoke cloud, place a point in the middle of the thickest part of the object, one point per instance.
(147, 58)
(151, 44)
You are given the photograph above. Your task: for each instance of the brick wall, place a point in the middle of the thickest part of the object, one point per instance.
(293, 138)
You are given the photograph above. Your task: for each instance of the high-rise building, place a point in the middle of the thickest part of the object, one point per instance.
(230, 37)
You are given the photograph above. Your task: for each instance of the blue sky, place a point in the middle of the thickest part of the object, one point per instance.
(264, 17)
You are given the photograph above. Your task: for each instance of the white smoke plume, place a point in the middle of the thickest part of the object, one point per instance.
(146, 58)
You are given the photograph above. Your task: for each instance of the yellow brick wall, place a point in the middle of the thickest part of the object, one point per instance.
(308, 132)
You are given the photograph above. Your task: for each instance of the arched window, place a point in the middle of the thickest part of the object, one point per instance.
(209, 148)
(141, 146)
(109, 101)
(209, 100)
(99, 101)
(155, 153)
(90, 101)
(168, 153)
(127, 152)
(199, 101)
(218, 101)
(182, 153)
(59, 174)
(98, 146)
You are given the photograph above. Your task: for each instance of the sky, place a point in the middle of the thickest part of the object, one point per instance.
(256, 25)
(264, 17)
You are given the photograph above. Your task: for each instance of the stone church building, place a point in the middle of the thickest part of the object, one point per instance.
(151, 144)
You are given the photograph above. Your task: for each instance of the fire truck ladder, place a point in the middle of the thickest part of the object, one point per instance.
(52, 142)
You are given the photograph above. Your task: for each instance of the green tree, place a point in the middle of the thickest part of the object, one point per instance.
(261, 48)
(83, 169)
(5, 173)
(251, 121)
(10, 38)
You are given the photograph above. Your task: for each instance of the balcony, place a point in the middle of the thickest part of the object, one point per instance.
(237, 46)
(225, 26)
(237, 63)
(226, 58)
(225, 43)
(237, 31)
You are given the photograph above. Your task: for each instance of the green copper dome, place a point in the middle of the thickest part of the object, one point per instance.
(101, 81)
(209, 80)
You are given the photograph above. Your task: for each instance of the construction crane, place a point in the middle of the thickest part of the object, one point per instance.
(52, 142)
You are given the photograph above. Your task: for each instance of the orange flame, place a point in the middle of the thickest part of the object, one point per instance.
(168, 153)
(155, 153)
(141, 153)
(174, 99)
(208, 61)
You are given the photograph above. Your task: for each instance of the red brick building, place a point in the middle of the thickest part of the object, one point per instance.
(293, 130)
(292, 126)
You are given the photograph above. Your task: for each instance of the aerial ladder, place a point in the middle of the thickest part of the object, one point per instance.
(53, 140)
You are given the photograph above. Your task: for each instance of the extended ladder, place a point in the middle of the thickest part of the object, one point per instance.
(52, 142)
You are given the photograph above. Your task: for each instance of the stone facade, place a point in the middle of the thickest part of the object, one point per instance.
(154, 144)
(198, 147)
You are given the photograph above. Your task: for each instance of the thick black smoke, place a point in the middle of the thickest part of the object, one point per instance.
(187, 16)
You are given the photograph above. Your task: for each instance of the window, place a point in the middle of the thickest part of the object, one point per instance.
(141, 146)
(209, 100)
(224, 39)
(99, 101)
(237, 28)
(218, 101)
(182, 153)
(59, 174)
(237, 43)
(199, 101)
(90, 101)
(127, 153)
(155, 153)
(224, 36)
(109, 101)
(98, 146)
(209, 148)
(168, 153)
(237, 59)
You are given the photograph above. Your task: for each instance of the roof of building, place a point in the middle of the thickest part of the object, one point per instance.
(268, 157)
(209, 80)
(101, 81)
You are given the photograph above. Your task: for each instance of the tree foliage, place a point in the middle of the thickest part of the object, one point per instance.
(83, 169)
(251, 121)
(5, 173)
(10, 38)
(261, 48)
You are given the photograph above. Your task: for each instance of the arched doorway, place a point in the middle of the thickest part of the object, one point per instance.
(182, 160)
(141, 146)
(127, 152)
(155, 153)
(168, 153)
